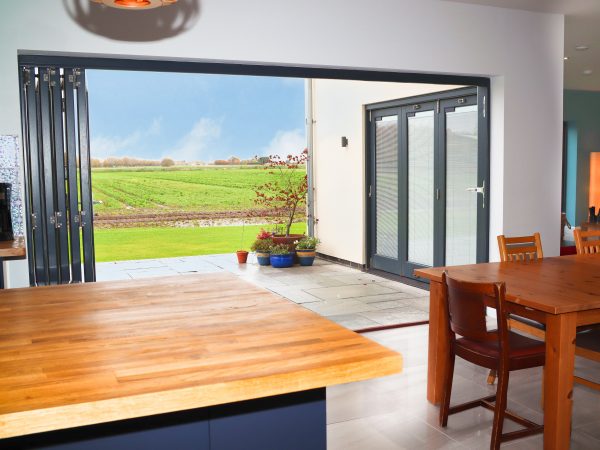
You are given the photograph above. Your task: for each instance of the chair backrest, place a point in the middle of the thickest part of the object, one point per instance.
(587, 242)
(466, 308)
(520, 248)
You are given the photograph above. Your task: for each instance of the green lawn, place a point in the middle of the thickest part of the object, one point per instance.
(125, 191)
(146, 243)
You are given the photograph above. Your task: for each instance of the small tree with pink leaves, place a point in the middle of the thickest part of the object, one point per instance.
(286, 193)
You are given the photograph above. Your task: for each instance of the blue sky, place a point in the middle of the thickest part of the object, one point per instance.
(192, 117)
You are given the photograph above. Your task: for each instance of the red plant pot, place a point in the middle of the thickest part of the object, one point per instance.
(287, 240)
(242, 256)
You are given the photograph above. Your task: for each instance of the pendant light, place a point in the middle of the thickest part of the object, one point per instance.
(135, 4)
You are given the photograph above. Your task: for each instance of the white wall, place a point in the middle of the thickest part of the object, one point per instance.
(521, 51)
(338, 110)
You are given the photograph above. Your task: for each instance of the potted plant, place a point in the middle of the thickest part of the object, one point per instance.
(262, 248)
(285, 194)
(281, 256)
(242, 255)
(305, 250)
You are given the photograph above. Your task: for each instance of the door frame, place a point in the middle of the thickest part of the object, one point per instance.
(182, 65)
(483, 103)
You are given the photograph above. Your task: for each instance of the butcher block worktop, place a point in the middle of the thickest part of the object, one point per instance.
(11, 249)
(90, 353)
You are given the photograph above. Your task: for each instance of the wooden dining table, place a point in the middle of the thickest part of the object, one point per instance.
(561, 292)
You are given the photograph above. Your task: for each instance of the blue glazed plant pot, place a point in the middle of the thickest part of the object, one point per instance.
(281, 261)
(264, 259)
(306, 257)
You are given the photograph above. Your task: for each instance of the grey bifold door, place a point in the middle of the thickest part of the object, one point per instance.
(58, 195)
(427, 194)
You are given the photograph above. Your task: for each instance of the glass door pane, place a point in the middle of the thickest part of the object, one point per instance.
(420, 144)
(461, 178)
(386, 187)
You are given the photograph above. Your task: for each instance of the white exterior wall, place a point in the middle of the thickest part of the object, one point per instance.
(339, 173)
(521, 51)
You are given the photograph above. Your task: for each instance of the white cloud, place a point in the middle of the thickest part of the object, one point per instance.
(105, 146)
(155, 127)
(193, 145)
(284, 143)
(102, 146)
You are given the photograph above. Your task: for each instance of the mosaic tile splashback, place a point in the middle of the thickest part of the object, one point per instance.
(9, 173)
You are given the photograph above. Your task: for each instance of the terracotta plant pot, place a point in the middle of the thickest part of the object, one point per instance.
(263, 258)
(306, 257)
(242, 256)
(287, 240)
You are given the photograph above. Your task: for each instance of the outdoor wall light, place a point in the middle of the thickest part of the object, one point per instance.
(344, 141)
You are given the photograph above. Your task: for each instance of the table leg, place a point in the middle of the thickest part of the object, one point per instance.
(1, 273)
(558, 382)
(438, 344)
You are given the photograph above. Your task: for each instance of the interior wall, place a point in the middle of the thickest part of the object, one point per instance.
(338, 108)
(582, 114)
(521, 51)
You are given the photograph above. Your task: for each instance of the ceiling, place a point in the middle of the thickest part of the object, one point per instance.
(582, 27)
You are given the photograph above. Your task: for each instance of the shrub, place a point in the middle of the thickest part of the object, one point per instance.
(307, 243)
(280, 249)
(264, 234)
(285, 194)
(262, 245)
(167, 162)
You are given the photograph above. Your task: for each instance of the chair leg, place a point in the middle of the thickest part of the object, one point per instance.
(445, 406)
(491, 379)
(500, 409)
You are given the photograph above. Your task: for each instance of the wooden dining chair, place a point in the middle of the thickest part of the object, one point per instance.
(521, 248)
(500, 349)
(587, 242)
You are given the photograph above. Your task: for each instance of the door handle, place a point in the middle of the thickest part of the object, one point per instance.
(479, 190)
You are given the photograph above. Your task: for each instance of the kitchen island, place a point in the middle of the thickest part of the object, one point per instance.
(194, 361)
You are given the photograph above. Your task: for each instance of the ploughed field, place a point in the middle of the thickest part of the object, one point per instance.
(180, 196)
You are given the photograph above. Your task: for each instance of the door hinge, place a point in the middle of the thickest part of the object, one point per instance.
(52, 72)
(75, 78)
(370, 190)
(33, 221)
(82, 222)
(55, 219)
(26, 77)
(437, 194)
(437, 106)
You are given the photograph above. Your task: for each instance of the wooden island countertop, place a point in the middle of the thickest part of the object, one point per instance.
(97, 352)
(12, 249)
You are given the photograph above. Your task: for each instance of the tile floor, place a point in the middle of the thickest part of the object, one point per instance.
(352, 298)
(392, 412)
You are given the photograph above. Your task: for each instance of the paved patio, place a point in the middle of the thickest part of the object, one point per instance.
(352, 298)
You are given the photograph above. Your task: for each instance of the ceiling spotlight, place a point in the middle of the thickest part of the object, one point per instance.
(587, 72)
(581, 48)
(135, 4)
